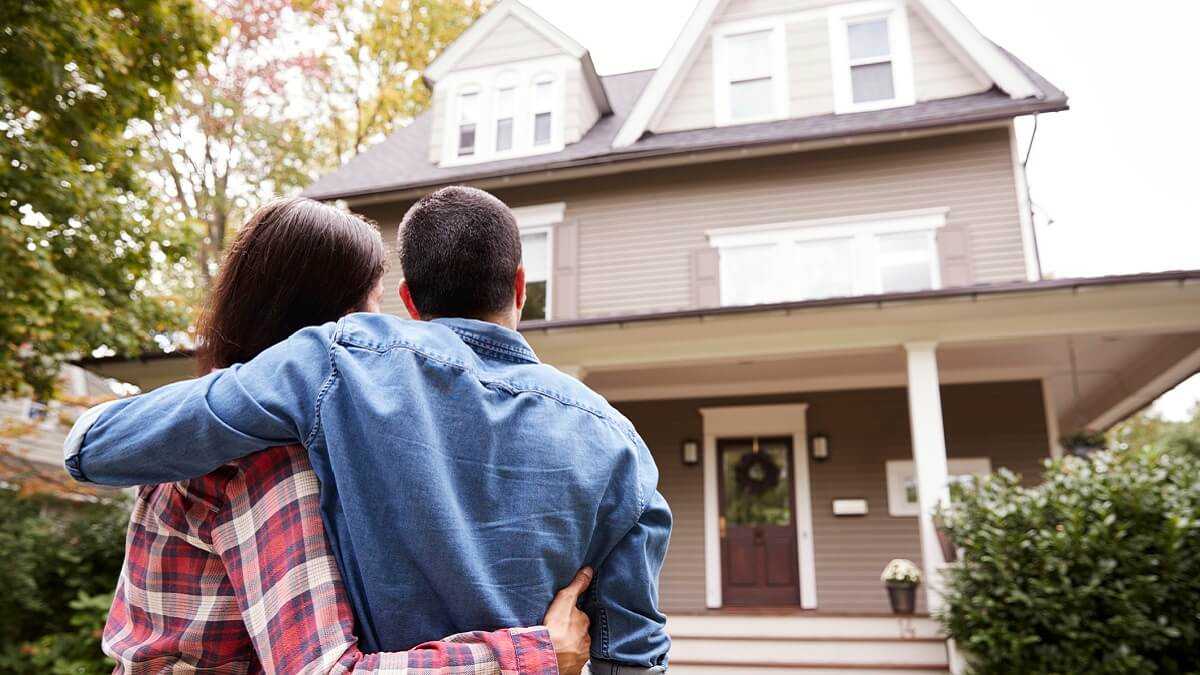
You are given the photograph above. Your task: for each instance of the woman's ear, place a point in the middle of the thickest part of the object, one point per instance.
(406, 298)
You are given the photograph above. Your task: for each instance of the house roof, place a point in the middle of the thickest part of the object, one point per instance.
(401, 161)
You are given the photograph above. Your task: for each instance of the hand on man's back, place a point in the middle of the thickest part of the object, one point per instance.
(569, 627)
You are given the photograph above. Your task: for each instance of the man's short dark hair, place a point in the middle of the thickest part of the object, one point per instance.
(459, 249)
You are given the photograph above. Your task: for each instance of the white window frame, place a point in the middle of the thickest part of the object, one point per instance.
(780, 96)
(863, 229)
(488, 81)
(506, 80)
(456, 119)
(543, 219)
(899, 42)
(900, 470)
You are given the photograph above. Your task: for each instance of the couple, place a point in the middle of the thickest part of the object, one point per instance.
(458, 481)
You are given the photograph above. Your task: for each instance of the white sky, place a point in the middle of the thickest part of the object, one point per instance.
(1116, 178)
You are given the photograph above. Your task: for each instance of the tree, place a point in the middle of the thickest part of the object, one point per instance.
(1148, 428)
(291, 88)
(77, 244)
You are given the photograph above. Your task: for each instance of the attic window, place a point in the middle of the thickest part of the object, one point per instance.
(543, 112)
(750, 68)
(872, 56)
(468, 118)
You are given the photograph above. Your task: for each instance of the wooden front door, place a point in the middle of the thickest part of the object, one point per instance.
(758, 527)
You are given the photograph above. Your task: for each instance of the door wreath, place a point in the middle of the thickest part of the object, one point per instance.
(756, 473)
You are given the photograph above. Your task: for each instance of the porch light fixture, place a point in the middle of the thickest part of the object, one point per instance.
(820, 448)
(691, 452)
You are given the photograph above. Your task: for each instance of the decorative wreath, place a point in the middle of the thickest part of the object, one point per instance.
(756, 473)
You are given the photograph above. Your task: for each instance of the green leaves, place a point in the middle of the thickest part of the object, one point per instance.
(77, 239)
(1096, 570)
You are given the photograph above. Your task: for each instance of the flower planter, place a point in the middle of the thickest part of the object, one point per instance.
(945, 541)
(903, 598)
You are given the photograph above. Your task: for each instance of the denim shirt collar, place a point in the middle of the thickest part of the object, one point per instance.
(490, 339)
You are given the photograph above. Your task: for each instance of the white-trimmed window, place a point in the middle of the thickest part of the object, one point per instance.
(872, 56)
(468, 122)
(750, 68)
(890, 253)
(543, 111)
(902, 493)
(506, 117)
(537, 225)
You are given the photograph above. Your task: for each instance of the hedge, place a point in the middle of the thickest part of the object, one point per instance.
(1095, 570)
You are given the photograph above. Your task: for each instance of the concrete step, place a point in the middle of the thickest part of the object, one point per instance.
(808, 645)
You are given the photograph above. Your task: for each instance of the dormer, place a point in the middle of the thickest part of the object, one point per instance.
(740, 62)
(512, 85)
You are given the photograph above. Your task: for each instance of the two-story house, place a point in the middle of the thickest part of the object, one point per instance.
(799, 256)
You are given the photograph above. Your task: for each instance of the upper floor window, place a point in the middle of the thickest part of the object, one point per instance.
(543, 111)
(503, 112)
(750, 68)
(894, 253)
(506, 114)
(537, 224)
(468, 119)
(872, 59)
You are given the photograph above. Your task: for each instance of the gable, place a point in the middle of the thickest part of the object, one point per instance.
(933, 52)
(512, 40)
(937, 72)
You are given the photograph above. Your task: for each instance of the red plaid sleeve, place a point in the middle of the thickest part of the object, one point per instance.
(233, 572)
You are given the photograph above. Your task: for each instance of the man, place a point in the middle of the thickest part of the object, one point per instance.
(463, 482)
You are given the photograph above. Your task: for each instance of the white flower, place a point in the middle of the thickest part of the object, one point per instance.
(901, 571)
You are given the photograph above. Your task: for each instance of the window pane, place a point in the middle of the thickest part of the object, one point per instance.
(824, 268)
(869, 39)
(535, 256)
(541, 129)
(906, 278)
(543, 97)
(748, 275)
(757, 486)
(468, 108)
(749, 56)
(750, 100)
(906, 262)
(506, 102)
(535, 301)
(466, 140)
(872, 82)
(504, 134)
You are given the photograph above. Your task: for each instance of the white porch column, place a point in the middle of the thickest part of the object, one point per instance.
(929, 457)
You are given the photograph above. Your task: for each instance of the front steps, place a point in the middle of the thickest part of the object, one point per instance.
(807, 645)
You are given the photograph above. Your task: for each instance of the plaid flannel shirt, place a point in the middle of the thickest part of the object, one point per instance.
(232, 573)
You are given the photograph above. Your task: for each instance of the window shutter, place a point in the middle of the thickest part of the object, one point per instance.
(706, 282)
(564, 286)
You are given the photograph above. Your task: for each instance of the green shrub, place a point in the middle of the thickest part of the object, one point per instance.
(59, 564)
(1096, 570)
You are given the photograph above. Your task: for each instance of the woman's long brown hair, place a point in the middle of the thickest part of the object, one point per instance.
(296, 263)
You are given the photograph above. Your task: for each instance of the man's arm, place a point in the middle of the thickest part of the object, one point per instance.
(187, 429)
(628, 630)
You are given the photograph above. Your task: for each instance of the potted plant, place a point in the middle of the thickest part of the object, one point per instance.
(901, 577)
(1084, 443)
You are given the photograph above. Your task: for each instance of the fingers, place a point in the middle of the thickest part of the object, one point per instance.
(580, 584)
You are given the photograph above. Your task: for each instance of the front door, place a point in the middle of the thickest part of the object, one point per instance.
(758, 533)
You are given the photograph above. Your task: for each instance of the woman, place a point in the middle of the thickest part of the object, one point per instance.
(233, 571)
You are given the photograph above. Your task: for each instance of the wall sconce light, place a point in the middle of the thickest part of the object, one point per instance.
(691, 452)
(820, 447)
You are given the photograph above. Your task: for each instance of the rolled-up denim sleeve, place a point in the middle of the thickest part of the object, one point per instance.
(628, 630)
(187, 429)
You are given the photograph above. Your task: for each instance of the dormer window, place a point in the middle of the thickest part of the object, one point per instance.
(872, 58)
(468, 120)
(506, 114)
(750, 67)
(503, 112)
(543, 111)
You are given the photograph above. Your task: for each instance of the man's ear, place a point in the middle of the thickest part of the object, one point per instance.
(406, 297)
(519, 289)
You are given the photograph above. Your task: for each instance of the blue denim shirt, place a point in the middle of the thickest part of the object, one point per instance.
(462, 482)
